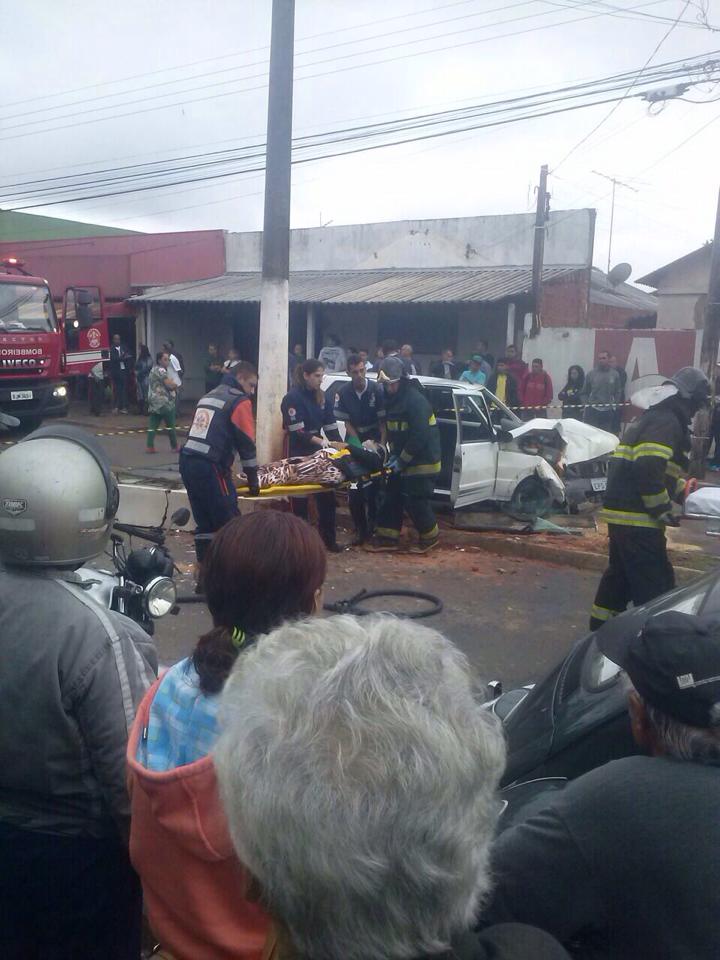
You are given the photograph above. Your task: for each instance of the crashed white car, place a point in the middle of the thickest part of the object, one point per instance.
(489, 454)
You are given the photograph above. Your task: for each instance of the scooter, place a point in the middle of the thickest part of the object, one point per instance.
(141, 586)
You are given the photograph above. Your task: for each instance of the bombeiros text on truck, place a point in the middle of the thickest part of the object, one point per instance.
(40, 352)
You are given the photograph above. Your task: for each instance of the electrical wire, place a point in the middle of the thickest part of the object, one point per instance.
(217, 96)
(55, 185)
(634, 83)
(237, 53)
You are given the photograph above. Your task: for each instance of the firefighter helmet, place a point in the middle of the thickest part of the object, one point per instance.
(392, 370)
(692, 384)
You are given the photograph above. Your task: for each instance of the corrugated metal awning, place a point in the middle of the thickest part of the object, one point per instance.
(452, 285)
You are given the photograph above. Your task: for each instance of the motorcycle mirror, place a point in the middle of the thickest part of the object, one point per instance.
(181, 517)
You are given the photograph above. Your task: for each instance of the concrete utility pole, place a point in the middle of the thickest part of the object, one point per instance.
(542, 214)
(615, 183)
(708, 355)
(274, 299)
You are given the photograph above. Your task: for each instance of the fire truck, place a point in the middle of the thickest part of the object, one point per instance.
(41, 353)
(32, 349)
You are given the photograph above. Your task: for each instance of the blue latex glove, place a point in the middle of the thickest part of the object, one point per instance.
(393, 465)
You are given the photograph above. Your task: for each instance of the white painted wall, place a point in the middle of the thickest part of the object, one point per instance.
(680, 311)
(559, 347)
(504, 240)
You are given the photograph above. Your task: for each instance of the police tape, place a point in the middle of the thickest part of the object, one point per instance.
(119, 433)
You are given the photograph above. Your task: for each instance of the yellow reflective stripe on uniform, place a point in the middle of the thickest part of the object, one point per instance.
(652, 450)
(422, 469)
(602, 613)
(673, 469)
(679, 486)
(625, 452)
(626, 518)
(431, 534)
(405, 456)
(432, 421)
(655, 499)
(387, 532)
(397, 426)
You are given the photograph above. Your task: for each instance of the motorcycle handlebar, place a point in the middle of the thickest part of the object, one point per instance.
(151, 534)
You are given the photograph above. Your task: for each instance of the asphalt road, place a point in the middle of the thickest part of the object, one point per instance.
(513, 618)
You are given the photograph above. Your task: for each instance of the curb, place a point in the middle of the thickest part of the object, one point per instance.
(525, 549)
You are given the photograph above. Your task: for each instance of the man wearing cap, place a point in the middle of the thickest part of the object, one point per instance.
(223, 425)
(625, 863)
(645, 477)
(414, 463)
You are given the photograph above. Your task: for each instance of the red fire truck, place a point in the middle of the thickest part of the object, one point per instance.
(32, 350)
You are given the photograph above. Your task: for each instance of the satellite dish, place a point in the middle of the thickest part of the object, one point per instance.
(619, 274)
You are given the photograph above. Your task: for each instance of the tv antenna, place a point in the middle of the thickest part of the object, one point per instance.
(615, 183)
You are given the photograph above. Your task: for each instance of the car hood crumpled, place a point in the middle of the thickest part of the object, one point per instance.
(582, 441)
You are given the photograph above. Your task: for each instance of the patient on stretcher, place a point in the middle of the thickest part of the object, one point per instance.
(328, 467)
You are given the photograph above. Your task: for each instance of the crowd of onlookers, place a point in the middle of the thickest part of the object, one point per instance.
(595, 397)
(153, 386)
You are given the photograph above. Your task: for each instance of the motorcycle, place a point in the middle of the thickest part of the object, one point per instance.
(141, 586)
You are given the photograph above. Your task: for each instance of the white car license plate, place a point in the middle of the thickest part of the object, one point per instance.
(598, 483)
(21, 394)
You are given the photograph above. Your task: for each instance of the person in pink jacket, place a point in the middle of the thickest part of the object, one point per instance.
(261, 570)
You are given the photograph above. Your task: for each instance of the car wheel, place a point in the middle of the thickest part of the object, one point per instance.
(531, 499)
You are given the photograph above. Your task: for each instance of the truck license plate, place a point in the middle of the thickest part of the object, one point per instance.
(21, 394)
(598, 483)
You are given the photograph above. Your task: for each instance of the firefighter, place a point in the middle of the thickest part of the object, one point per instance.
(223, 424)
(360, 406)
(414, 464)
(307, 413)
(646, 475)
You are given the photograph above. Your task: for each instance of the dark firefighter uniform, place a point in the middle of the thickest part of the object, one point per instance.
(363, 412)
(223, 424)
(305, 418)
(414, 441)
(646, 475)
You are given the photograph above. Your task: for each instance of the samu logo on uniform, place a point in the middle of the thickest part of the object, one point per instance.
(14, 507)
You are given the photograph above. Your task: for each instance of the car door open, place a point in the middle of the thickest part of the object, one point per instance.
(475, 462)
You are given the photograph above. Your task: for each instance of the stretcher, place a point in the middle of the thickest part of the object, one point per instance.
(282, 492)
(702, 502)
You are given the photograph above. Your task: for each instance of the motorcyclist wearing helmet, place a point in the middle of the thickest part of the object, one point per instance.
(72, 676)
(414, 464)
(646, 475)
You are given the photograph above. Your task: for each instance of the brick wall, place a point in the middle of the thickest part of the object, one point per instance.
(565, 302)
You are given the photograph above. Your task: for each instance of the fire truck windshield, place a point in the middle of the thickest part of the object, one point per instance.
(26, 307)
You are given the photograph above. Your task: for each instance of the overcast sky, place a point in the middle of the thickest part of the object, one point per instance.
(59, 56)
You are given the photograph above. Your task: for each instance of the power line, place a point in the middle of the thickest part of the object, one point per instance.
(208, 86)
(237, 53)
(633, 84)
(337, 70)
(254, 151)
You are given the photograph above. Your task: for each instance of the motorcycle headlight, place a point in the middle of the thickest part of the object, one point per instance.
(159, 597)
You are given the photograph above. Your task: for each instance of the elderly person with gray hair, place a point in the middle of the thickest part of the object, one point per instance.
(358, 771)
(626, 863)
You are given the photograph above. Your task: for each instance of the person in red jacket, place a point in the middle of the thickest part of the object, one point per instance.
(536, 391)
